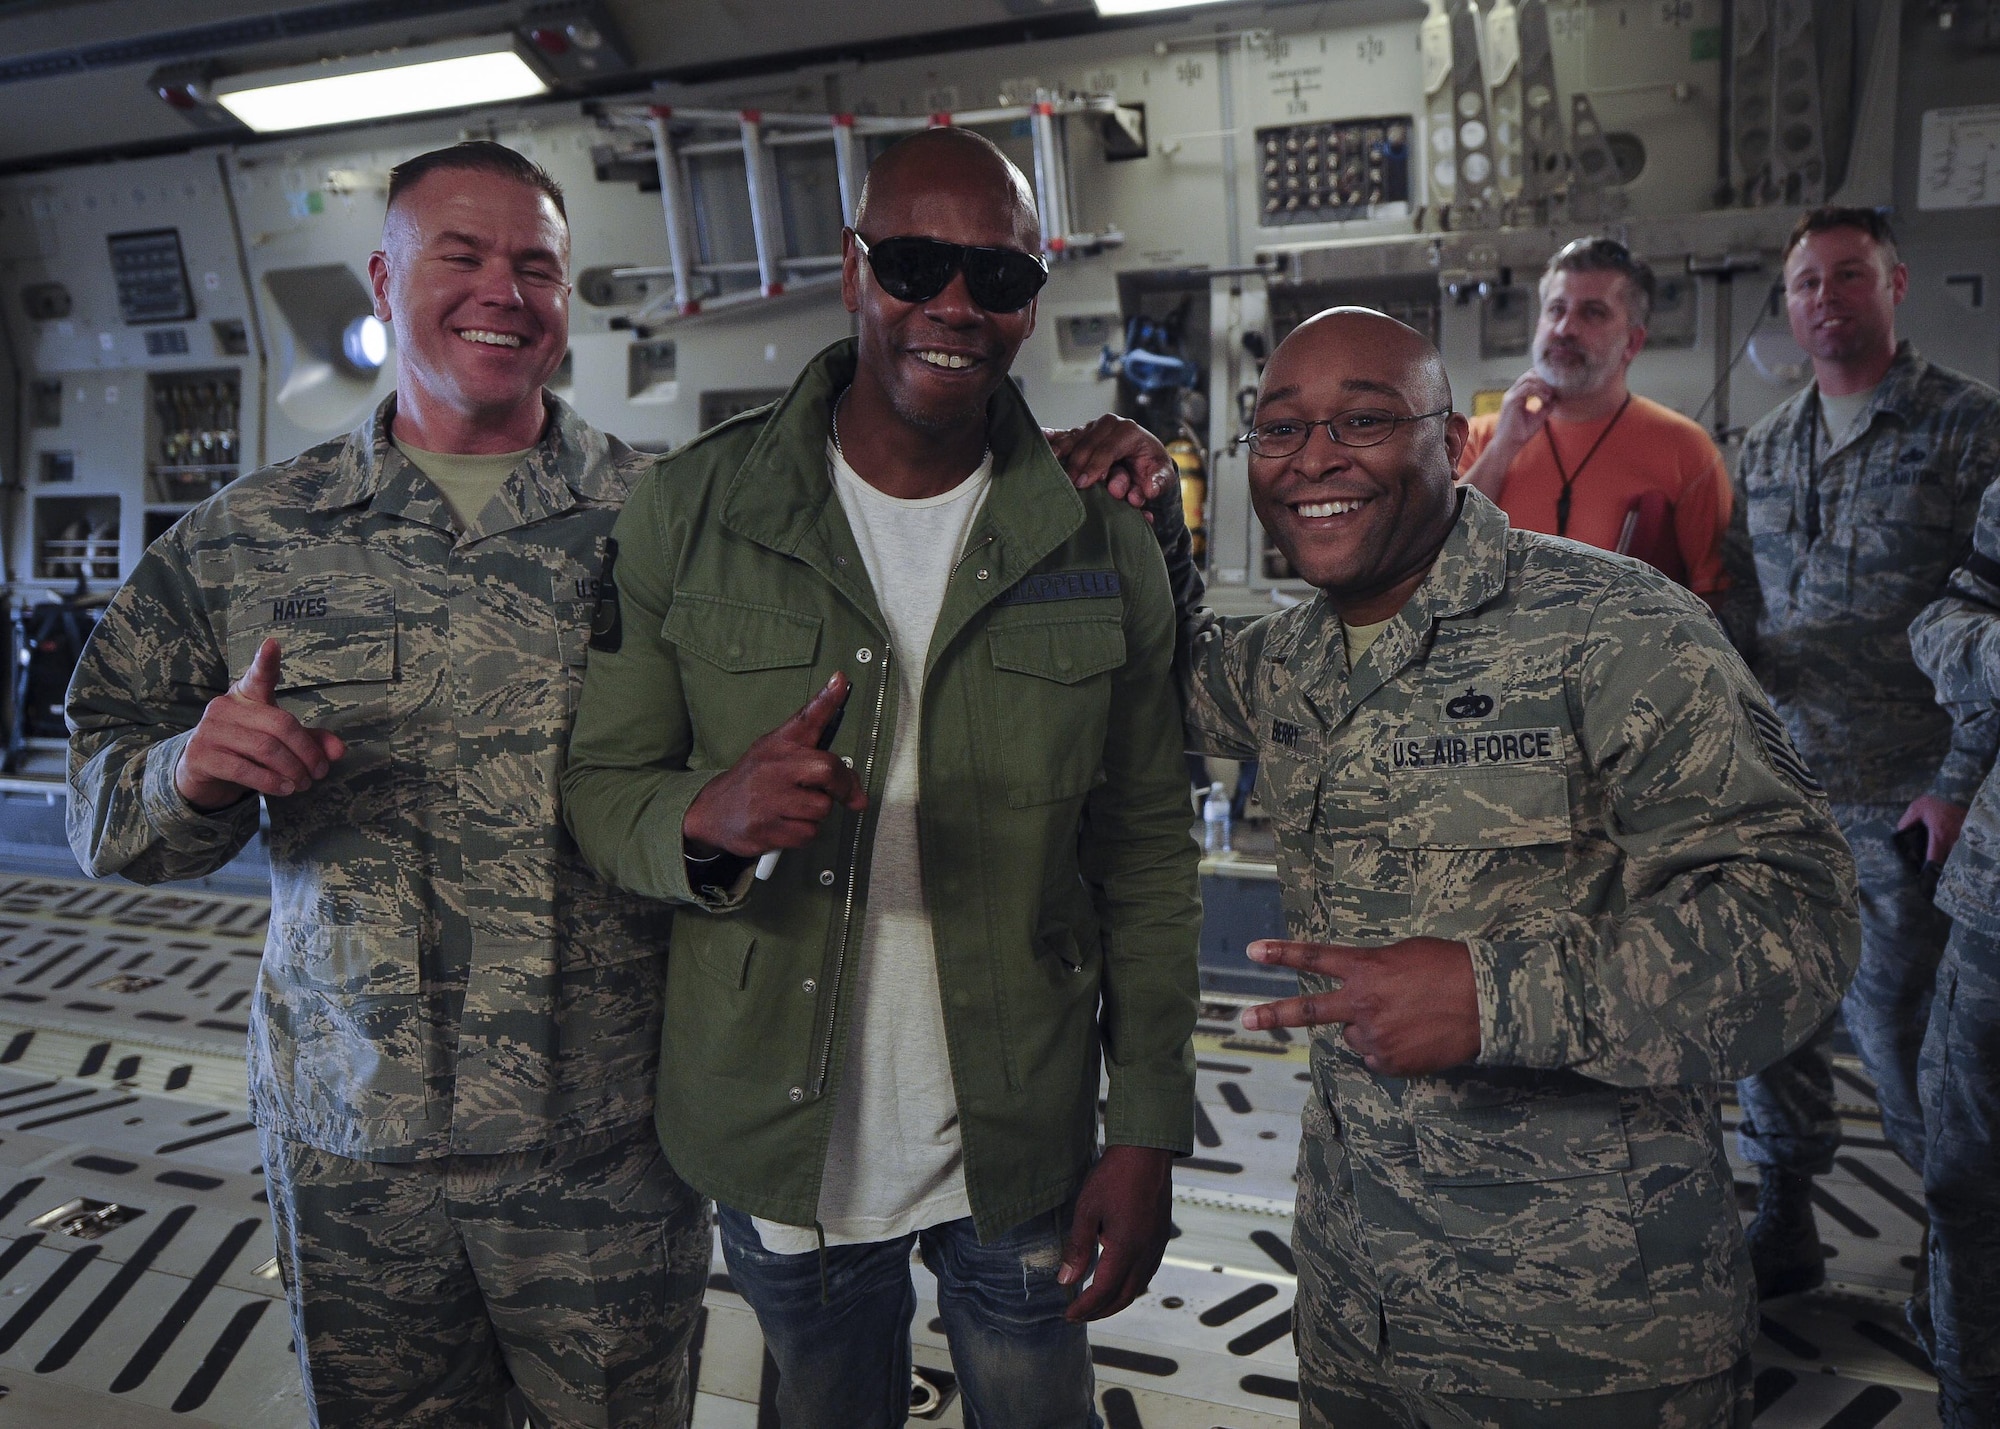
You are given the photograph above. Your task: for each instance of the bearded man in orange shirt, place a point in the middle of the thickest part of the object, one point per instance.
(1574, 452)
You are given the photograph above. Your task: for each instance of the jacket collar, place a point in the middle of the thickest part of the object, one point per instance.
(573, 460)
(1896, 395)
(1470, 570)
(782, 495)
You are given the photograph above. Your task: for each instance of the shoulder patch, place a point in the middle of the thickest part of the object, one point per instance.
(1778, 750)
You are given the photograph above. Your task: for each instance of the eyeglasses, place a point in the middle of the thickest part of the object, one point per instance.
(915, 270)
(1362, 427)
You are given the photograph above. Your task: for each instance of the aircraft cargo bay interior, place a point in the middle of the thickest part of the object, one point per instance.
(609, 817)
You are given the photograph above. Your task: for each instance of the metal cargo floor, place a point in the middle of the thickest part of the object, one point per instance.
(122, 1084)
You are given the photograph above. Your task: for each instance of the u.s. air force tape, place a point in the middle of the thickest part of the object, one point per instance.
(1778, 750)
(1498, 746)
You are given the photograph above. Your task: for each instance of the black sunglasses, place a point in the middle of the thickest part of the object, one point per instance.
(915, 270)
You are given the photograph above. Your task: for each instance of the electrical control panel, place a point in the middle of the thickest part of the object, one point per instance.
(1325, 173)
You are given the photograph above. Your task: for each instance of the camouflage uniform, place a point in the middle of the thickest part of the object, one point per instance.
(1552, 755)
(1957, 643)
(1832, 550)
(450, 1003)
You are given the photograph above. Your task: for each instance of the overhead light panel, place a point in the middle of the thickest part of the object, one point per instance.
(1147, 7)
(455, 75)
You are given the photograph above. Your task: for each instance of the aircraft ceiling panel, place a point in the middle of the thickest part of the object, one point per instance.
(87, 109)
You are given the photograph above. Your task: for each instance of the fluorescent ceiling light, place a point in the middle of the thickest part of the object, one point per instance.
(1147, 7)
(489, 70)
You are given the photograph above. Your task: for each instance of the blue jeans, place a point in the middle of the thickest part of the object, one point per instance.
(1788, 1118)
(1960, 1081)
(844, 1362)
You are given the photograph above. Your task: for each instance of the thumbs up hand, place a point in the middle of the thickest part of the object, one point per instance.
(776, 795)
(246, 744)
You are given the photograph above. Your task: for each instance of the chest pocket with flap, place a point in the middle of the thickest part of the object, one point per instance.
(337, 634)
(1514, 807)
(1052, 691)
(1483, 845)
(749, 669)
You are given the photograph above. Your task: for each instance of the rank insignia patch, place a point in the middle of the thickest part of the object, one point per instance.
(1778, 750)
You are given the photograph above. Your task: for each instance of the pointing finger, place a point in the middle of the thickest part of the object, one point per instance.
(259, 683)
(805, 728)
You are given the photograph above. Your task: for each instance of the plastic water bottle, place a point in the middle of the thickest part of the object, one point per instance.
(1215, 820)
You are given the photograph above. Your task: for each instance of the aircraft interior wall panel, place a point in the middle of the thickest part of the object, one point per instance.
(1629, 56)
(613, 224)
(1952, 310)
(1165, 204)
(97, 381)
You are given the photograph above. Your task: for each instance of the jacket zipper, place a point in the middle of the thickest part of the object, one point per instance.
(853, 872)
(854, 852)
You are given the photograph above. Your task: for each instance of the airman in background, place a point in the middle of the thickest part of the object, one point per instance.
(1855, 500)
(1958, 1077)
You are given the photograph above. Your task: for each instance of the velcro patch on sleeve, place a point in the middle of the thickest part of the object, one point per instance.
(1778, 750)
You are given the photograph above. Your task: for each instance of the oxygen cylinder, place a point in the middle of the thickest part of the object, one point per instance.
(1194, 492)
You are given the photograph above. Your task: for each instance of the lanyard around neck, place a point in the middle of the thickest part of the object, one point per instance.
(1569, 478)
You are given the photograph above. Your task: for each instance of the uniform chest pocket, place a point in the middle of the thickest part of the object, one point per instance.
(1768, 512)
(338, 640)
(1531, 1198)
(1505, 808)
(1052, 703)
(747, 668)
(1483, 845)
(1916, 506)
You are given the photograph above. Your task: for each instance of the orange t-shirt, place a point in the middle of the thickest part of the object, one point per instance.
(1655, 452)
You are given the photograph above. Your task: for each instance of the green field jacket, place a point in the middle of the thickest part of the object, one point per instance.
(1054, 818)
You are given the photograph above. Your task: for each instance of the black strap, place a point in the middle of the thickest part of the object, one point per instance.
(1812, 470)
(1568, 478)
(1985, 567)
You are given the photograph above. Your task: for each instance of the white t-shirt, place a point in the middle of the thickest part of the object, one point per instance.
(1839, 414)
(894, 1160)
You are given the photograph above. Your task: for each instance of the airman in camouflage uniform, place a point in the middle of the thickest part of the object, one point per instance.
(455, 1033)
(1956, 642)
(1561, 871)
(1839, 538)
